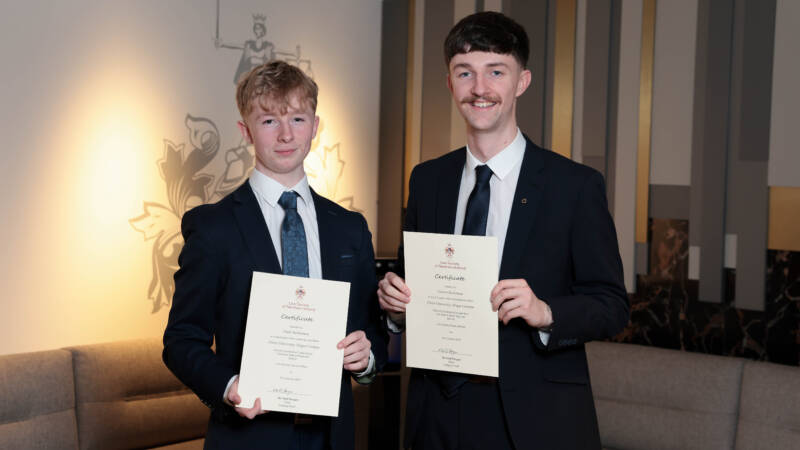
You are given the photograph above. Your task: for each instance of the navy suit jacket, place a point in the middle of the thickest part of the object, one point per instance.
(224, 243)
(561, 240)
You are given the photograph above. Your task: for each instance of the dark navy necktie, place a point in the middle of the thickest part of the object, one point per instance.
(478, 204)
(475, 225)
(294, 251)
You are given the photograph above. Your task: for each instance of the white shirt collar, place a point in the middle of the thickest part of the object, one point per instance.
(270, 190)
(501, 163)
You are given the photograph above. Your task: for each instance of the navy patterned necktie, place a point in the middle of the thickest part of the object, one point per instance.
(294, 251)
(478, 204)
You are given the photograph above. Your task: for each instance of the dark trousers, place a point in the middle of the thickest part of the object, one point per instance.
(312, 436)
(472, 419)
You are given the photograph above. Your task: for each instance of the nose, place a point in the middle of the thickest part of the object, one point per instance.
(479, 86)
(285, 134)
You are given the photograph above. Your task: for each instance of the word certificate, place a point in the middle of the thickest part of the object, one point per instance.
(290, 359)
(450, 324)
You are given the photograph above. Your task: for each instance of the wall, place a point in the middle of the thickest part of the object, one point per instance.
(687, 108)
(119, 116)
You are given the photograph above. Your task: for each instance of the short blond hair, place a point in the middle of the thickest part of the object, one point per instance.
(274, 84)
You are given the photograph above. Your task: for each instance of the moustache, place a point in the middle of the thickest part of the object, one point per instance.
(485, 99)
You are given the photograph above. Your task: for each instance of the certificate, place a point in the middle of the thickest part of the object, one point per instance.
(290, 359)
(450, 324)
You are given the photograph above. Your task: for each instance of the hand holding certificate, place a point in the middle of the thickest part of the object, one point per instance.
(290, 360)
(450, 324)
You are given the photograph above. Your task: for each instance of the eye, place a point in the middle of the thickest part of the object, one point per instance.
(298, 119)
(497, 73)
(268, 121)
(463, 74)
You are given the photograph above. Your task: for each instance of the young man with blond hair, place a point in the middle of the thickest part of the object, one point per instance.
(273, 223)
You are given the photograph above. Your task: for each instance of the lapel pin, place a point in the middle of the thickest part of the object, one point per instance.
(524, 201)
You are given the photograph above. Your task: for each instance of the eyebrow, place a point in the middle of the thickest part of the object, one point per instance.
(468, 66)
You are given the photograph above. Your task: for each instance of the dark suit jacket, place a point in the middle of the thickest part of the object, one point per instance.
(224, 243)
(561, 240)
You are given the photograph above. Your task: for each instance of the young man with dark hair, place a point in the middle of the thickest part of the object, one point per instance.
(560, 271)
(273, 223)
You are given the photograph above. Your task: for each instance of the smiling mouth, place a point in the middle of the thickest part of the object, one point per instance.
(480, 103)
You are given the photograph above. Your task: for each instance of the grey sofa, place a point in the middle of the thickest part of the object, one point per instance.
(120, 395)
(653, 398)
(117, 395)
(103, 396)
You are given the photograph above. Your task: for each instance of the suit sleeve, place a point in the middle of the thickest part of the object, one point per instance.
(410, 222)
(367, 303)
(192, 319)
(597, 307)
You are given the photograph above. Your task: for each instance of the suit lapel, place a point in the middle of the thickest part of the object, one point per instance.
(254, 230)
(447, 192)
(326, 223)
(530, 187)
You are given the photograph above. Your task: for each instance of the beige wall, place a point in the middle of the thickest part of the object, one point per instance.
(93, 91)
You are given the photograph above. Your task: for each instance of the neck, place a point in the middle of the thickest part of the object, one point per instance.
(287, 180)
(484, 145)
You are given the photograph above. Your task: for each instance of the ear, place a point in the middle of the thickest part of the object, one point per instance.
(245, 131)
(316, 126)
(449, 82)
(524, 81)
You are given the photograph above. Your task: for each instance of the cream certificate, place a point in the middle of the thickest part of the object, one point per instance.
(290, 359)
(450, 324)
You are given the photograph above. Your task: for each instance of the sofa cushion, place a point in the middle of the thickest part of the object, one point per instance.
(127, 398)
(38, 401)
(769, 415)
(196, 444)
(655, 398)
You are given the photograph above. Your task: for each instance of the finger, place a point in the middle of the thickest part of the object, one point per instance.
(361, 346)
(357, 367)
(399, 283)
(233, 392)
(358, 346)
(507, 307)
(387, 288)
(250, 412)
(502, 296)
(508, 294)
(350, 338)
(505, 284)
(353, 357)
(513, 314)
(391, 304)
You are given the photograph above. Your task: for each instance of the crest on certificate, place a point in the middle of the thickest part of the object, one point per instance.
(299, 293)
(449, 251)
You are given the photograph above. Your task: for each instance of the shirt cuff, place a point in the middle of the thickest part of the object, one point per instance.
(369, 373)
(228, 388)
(395, 327)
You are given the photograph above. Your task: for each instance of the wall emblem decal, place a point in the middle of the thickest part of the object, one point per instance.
(258, 49)
(196, 172)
